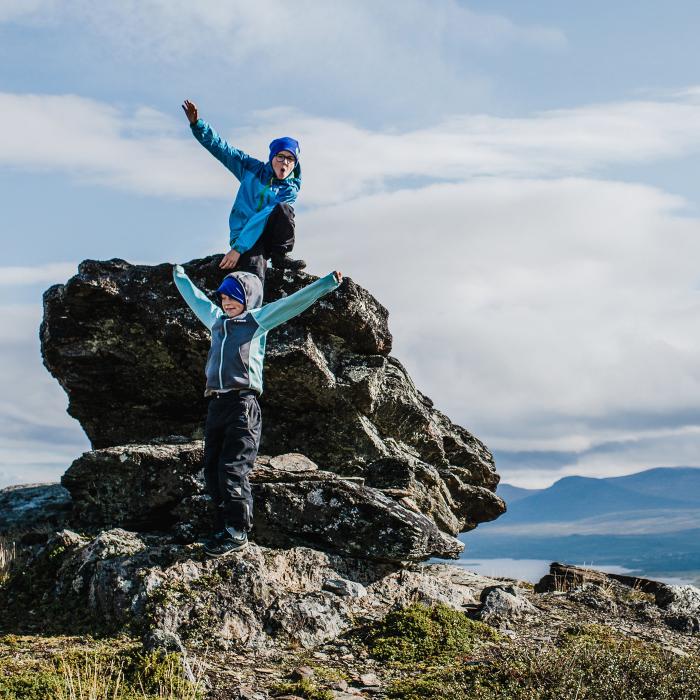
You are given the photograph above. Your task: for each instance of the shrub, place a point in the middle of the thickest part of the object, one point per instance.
(420, 633)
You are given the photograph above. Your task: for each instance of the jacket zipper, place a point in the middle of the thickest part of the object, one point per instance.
(221, 358)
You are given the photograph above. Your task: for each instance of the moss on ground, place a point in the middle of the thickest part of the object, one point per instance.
(420, 633)
(304, 688)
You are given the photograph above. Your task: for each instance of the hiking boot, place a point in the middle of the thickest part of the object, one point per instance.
(284, 262)
(225, 542)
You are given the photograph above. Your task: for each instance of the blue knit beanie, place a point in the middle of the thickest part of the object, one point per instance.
(286, 143)
(231, 287)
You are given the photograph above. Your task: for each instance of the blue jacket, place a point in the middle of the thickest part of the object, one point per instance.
(259, 192)
(237, 350)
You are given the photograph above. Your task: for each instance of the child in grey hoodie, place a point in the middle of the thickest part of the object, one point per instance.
(234, 373)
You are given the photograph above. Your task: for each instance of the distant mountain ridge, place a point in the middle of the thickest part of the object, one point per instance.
(648, 521)
(579, 497)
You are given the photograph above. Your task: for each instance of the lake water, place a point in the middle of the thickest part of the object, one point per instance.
(534, 569)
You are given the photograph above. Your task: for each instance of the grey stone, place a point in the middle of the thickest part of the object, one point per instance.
(255, 599)
(33, 507)
(348, 518)
(302, 672)
(501, 605)
(134, 486)
(343, 587)
(680, 600)
(159, 487)
(370, 680)
(681, 607)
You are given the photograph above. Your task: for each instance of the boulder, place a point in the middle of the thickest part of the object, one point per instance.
(502, 605)
(159, 487)
(681, 606)
(33, 508)
(130, 355)
(133, 486)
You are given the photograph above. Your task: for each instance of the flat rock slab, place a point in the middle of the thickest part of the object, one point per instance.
(159, 487)
(347, 517)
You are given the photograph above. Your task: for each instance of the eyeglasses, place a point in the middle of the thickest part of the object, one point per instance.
(284, 159)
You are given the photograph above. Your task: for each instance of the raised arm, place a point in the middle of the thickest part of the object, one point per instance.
(205, 311)
(235, 160)
(272, 315)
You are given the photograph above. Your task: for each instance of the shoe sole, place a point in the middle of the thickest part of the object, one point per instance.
(218, 555)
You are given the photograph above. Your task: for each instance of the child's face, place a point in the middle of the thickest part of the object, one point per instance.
(231, 307)
(283, 164)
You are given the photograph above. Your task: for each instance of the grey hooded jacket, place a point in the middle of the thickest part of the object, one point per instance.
(237, 350)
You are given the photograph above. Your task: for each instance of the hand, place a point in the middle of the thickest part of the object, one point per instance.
(338, 276)
(230, 260)
(190, 110)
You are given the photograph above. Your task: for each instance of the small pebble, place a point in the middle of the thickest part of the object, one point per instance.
(302, 672)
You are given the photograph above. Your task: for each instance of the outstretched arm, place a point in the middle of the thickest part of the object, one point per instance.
(272, 315)
(205, 311)
(236, 161)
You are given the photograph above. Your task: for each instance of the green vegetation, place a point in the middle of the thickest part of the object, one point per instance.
(586, 663)
(304, 688)
(419, 633)
(36, 668)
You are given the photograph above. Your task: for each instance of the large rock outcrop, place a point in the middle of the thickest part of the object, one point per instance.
(297, 503)
(130, 355)
(257, 599)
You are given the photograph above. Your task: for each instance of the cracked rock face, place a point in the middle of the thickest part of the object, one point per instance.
(130, 355)
(254, 599)
(159, 487)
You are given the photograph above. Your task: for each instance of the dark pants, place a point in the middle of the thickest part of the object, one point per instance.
(276, 239)
(231, 441)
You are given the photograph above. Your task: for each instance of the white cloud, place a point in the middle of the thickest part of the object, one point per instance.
(558, 311)
(51, 273)
(22, 10)
(39, 439)
(406, 63)
(654, 448)
(298, 33)
(152, 153)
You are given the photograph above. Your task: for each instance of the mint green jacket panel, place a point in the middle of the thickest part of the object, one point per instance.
(273, 314)
(205, 310)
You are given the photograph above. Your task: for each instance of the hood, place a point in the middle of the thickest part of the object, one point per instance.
(252, 286)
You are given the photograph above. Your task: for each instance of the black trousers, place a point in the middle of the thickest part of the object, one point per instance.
(231, 442)
(276, 239)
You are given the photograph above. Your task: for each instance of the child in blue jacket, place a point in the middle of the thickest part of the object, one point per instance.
(261, 222)
(234, 373)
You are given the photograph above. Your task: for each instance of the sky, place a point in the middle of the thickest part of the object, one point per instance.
(516, 182)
